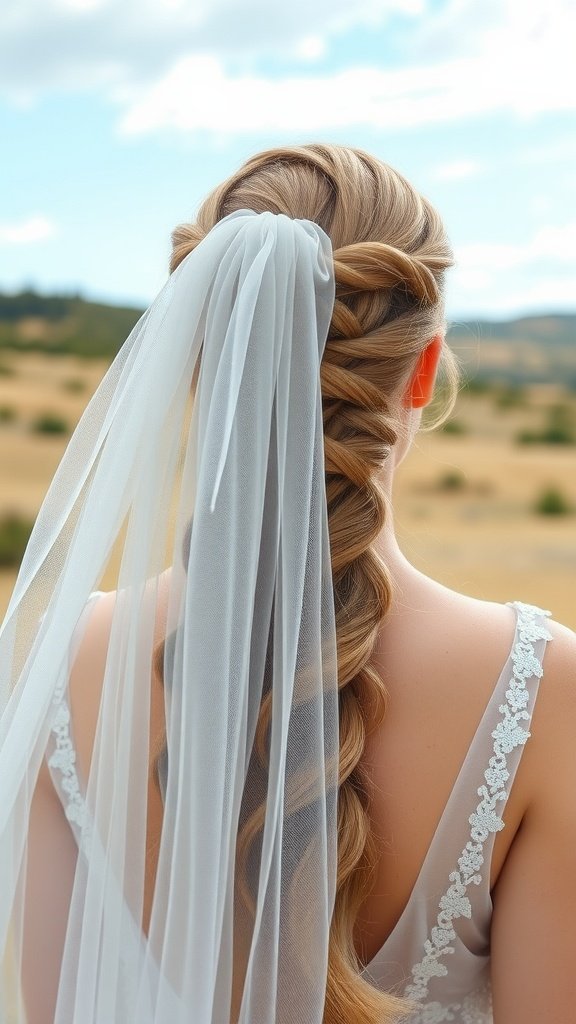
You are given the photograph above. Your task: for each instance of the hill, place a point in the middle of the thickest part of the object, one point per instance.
(538, 348)
(521, 351)
(63, 324)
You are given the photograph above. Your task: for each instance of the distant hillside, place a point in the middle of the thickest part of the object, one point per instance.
(538, 348)
(557, 329)
(63, 324)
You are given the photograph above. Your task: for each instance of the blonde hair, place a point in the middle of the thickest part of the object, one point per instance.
(390, 253)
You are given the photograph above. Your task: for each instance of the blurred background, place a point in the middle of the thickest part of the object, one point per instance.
(117, 117)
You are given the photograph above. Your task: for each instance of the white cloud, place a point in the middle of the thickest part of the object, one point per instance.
(463, 60)
(511, 278)
(311, 48)
(553, 244)
(79, 6)
(495, 29)
(457, 170)
(561, 151)
(197, 94)
(505, 297)
(81, 45)
(32, 229)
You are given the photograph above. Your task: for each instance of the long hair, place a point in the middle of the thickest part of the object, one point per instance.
(390, 254)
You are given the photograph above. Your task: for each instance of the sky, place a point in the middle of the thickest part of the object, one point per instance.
(117, 117)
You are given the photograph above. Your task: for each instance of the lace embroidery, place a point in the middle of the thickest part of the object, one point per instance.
(63, 759)
(508, 734)
(475, 1008)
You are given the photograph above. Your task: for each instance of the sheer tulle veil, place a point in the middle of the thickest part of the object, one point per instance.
(224, 482)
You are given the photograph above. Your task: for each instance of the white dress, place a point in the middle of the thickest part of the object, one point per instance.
(438, 954)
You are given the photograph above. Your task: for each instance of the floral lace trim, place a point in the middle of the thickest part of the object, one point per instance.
(508, 734)
(63, 760)
(475, 1008)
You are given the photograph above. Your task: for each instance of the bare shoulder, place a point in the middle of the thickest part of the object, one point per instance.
(89, 665)
(97, 632)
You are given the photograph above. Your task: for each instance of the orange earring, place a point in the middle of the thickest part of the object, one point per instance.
(421, 386)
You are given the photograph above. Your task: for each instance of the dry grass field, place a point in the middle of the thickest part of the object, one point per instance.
(464, 502)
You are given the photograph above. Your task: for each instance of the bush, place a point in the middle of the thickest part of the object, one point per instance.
(552, 502)
(558, 434)
(558, 429)
(14, 535)
(559, 412)
(7, 413)
(528, 437)
(451, 481)
(510, 397)
(455, 427)
(50, 423)
(550, 435)
(74, 385)
(7, 371)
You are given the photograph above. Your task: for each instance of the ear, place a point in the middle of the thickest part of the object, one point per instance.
(421, 384)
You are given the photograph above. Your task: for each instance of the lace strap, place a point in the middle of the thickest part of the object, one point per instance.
(61, 756)
(508, 737)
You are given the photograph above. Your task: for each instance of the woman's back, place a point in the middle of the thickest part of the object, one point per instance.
(440, 654)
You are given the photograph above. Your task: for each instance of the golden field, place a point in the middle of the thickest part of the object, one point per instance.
(463, 502)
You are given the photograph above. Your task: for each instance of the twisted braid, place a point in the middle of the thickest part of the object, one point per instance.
(358, 434)
(376, 267)
(390, 253)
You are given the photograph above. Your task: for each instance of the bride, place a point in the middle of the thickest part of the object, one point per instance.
(277, 775)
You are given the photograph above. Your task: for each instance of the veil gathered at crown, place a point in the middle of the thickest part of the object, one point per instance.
(224, 484)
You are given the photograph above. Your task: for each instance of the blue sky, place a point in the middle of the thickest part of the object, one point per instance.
(118, 116)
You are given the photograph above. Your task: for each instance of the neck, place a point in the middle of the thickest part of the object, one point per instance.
(408, 582)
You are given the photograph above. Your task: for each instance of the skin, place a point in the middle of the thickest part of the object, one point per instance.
(433, 712)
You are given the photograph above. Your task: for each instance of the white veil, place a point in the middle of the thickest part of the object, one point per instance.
(227, 488)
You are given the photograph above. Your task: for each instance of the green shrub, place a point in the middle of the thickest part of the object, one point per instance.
(552, 502)
(559, 412)
(555, 435)
(558, 434)
(7, 371)
(455, 427)
(528, 437)
(14, 534)
(560, 427)
(7, 413)
(74, 385)
(452, 480)
(512, 396)
(50, 423)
